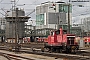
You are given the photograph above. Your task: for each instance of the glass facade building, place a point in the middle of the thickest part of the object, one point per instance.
(48, 13)
(40, 19)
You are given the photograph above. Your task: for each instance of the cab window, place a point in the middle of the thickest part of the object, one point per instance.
(64, 31)
(57, 32)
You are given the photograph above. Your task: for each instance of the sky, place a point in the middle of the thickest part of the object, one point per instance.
(78, 13)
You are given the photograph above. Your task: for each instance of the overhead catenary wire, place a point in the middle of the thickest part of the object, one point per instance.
(85, 10)
(31, 12)
(17, 1)
(1, 1)
(15, 4)
(20, 4)
(2, 14)
(4, 11)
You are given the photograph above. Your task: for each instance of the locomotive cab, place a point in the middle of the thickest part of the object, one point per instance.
(71, 45)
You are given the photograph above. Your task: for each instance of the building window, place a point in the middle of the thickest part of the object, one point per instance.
(40, 19)
(64, 8)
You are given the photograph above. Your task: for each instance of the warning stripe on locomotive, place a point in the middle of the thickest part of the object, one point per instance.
(70, 36)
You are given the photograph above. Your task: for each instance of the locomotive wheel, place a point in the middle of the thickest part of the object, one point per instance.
(57, 51)
(74, 51)
(68, 51)
(52, 49)
(46, 49)
(60, 50)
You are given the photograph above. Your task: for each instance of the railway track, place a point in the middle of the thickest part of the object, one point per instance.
(14, 57)
(61, 55)
(79, 56)
(58, 55)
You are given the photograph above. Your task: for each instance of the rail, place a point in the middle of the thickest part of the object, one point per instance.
(12, 56)
(79, 55)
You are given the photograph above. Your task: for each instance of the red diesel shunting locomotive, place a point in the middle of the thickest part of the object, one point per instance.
(59, 41)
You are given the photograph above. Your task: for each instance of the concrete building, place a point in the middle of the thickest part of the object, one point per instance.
(2, 23)
(15, 25)
(52, 14)
(2, 29)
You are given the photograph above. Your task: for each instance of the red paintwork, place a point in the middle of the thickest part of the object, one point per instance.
(58, 39)
(26, 39)
(61, 31)
(87, 39)
(42, 39)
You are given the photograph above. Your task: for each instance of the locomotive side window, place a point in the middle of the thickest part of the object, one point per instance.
(57, 32)
(52, 33)
(64, 31)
